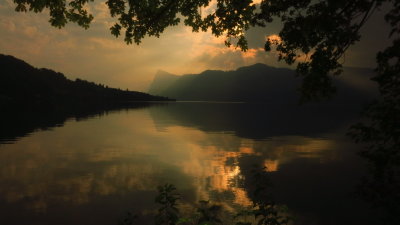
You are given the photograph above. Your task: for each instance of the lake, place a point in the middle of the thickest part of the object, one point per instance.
(71, 168)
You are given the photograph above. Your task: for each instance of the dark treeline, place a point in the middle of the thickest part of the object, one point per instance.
(38, 99)
(23, 86)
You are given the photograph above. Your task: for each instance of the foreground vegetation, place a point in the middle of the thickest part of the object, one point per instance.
(264, 211)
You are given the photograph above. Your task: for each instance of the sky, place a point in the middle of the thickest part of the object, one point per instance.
(97, 56)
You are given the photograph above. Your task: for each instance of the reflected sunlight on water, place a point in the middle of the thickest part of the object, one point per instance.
(127, 153)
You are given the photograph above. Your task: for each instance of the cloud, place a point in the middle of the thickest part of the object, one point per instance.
(251, 53)
(96, 55)
(7, 25)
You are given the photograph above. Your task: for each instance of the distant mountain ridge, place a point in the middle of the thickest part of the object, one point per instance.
(256, 83)
(22, 85)
(162, 80)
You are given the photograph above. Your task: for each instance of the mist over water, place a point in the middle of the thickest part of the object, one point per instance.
(91, 169)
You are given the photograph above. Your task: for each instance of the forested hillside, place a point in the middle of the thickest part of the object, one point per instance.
(22, 85)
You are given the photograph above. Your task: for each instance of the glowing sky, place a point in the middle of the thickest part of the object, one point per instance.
(97, 56)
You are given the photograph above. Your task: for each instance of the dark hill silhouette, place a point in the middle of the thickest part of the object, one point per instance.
(257, 83)
(162, 80)
(271, 97)
(22, 85)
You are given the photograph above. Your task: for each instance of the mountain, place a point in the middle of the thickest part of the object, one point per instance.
(161, 81)
(257, 83)
(22, 85)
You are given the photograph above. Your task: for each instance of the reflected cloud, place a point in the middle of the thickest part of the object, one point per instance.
(124, 153)
(271, 165)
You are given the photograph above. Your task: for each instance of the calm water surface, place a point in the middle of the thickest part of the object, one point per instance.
(93, 170)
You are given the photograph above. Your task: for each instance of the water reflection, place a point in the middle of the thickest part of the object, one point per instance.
(16, 124)
(256, 121)
(114, 162)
